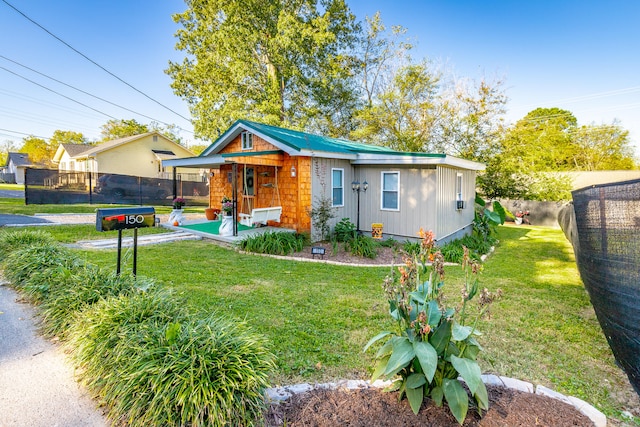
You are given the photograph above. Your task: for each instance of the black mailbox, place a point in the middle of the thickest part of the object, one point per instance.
(125, 218)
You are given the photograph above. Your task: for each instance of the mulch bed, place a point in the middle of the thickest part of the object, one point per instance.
(373, 407)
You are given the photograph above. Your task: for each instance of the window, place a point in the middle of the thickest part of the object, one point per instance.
(337, 187)
(459, 187)
(391, 191)
(63, 166)
(247, 141)
(459, 199)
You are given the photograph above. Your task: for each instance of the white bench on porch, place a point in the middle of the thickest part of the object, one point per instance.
(261, 216)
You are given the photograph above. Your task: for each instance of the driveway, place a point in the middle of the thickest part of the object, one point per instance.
(21, 220)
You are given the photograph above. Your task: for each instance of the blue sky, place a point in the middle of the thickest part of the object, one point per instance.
(582, 56)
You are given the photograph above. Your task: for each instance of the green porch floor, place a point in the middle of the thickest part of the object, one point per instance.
(211, 227)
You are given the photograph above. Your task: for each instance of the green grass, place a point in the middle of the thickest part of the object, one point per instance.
(18, 187)
(17, 206)
(317, 317)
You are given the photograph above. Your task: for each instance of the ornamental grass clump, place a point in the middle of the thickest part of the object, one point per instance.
(11, 241)
(434, 345)
(71, 291)
(152, 363)
(26, 268)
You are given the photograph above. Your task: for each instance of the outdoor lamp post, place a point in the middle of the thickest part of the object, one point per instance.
(357, 188)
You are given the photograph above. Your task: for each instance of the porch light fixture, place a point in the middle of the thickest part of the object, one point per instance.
(293, 171)
(357, 188)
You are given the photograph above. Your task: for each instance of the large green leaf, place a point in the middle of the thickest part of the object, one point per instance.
(374, 339)
(441, 337)
(385, 350)
(469, 370)
(499, 209)
(381, 366)
(401, 356)
(415, 397)
(482, 398)
(492, 216)
(428, 358)
(416, 380)
(437, 395)
(480, 201)
(471, 352)
(459, 332)
(434, 313)
(457, 398)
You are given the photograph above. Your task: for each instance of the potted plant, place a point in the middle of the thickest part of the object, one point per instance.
(176, 218)
(179, 202)
(227, 206)
(521, 217)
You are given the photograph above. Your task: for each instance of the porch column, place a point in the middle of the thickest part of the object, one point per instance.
(234, 196)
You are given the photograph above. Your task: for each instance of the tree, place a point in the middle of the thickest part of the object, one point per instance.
(404, 113)
(281, 62)
(6, 147)
(470, 124)
(38, 149)
(66, 137)
(605, 147)
(115, 129)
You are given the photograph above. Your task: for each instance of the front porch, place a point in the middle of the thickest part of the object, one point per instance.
(210, 230)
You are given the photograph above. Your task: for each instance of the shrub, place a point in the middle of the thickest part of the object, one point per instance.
(452, 251)
(153, 365)
(72, 291)
(215, 373)
(344, 230)
(25, 267)
(411, 247)
(433, 345)
(11, 241)
(321, 213)
(363, 246)
(388, 243)
(274, 243)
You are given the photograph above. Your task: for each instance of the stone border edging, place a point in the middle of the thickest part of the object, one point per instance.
(282, 394)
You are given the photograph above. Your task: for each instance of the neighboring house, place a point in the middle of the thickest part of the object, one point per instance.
(138, 155)
(294, 170)
(16, 165)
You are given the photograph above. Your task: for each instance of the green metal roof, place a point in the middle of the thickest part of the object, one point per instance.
(300, 141)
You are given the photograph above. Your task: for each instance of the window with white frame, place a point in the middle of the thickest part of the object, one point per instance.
(390, 193)
(337, 187)
(247, 140)
(459, 187)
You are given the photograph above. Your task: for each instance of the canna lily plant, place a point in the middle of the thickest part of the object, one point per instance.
(433, 345)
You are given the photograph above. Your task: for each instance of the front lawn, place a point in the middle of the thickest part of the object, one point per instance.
(318, 317)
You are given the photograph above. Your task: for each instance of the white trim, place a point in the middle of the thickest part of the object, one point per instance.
(400, 159)
(341, 186)
(195, 162)
(382, 174)
(246, 137)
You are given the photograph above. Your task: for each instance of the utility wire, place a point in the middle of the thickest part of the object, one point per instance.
(93, 62)
(57, 93)
(87, 93)
(22, 133)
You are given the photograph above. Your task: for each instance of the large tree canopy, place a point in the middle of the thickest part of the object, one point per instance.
(281, 62)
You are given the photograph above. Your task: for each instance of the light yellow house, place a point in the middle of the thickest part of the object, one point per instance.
(138, 155)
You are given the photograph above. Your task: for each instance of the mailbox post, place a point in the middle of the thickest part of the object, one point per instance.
(123, 219)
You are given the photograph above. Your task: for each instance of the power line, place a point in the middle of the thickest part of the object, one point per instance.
(85, 92)
(22, 133)
(57, 93)
(93, 62)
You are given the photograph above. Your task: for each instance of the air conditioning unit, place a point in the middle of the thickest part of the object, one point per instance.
(459, 205)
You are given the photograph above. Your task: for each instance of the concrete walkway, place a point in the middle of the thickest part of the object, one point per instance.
(37, 384)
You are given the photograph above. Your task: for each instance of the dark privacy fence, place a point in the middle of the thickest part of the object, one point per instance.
(49, 186)
(607, 247)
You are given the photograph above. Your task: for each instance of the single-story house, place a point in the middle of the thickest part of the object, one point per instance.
(138, 155)
(16, 165)
(271, 167)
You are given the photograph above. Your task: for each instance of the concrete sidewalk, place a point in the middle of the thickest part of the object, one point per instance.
(37, 385)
